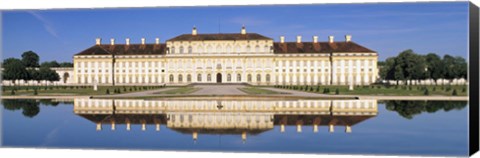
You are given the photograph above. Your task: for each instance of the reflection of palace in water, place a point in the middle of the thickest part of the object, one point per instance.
(226, 116)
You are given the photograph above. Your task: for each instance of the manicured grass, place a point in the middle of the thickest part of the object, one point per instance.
(73, 90)
(257, 90)
(180, 90)
(381, 90)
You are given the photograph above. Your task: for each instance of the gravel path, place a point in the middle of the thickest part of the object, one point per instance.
(218, 90)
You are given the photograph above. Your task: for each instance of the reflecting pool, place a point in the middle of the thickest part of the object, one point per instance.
(289, 126)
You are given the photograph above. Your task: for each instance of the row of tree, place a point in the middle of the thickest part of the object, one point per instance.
(28, 68)
(409, 65)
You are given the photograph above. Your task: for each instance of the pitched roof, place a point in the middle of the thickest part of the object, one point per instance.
(123, 49)
(279, 48)
(220, 36)
(319, 47)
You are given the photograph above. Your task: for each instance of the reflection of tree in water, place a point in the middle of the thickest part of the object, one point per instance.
(408, 109)
(30, 107)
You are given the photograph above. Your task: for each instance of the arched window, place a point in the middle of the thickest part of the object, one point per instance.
(239, 77)
(210, 49)
(190, 50)
(219, 49)
(238, 49)
(180, 78)
(65, 77)
(248, 49)
(209, 77)
(189, 78)
(229, 77)
(229, 49)
(171, 78)
(266, 49)
(257, 49)
(259, 78)
(172, 50)
(181, 49)
(267, 78)
(249, 78)
(199, 77)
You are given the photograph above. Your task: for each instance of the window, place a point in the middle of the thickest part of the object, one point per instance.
(266, 49)
(249, 78)
(229, 49)
(172, 51)
(248, 49)
(267, 78)
(181, 49)
(259, 78)
(199, 77)
(209, 77)
(190, 50)
(257, 48)
(229, 77)
(239, 77)
(180, 78)
(189, 78)
(171, 78)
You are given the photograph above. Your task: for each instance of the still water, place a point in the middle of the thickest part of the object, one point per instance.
(288, 126)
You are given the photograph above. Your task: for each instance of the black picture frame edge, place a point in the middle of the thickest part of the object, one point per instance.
(473, 79)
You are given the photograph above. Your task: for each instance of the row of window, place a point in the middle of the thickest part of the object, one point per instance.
(209, 78)
(219, 49)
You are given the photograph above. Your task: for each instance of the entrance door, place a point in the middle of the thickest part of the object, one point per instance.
(219, 78)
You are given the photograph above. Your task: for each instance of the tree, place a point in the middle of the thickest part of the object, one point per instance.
(35, 75)
(14, 70)
(30, 59)
(461, 66)
(48, 74)
(406, 66)
(50, 64)
(387, 71)
(449, 63)
(66, 64)
(435, 67)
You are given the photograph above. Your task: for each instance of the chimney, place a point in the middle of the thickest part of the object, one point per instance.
(315, 39)
(112, 41)
(127, 41)
(143, 41)
(194, 30)
(299, 39)
(244, 31)
(98, 41)
(157, 40)
(282, 39)
(330, 39)
(348, 38)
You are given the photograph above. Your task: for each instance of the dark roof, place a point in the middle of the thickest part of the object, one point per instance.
(319, 47)
(123, 49)
(279, 48)
(221, 36)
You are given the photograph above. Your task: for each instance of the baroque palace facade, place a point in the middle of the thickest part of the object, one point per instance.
(227, 58)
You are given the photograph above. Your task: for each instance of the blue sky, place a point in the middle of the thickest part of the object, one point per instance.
(387, 28)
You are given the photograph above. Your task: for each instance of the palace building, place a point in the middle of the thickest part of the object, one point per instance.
(227, 58)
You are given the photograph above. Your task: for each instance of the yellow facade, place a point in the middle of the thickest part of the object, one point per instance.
(255, 62)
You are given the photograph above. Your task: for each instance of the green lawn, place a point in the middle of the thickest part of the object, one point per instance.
(384, 90)
(257, 90)
(180, 90)
(73, 90)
